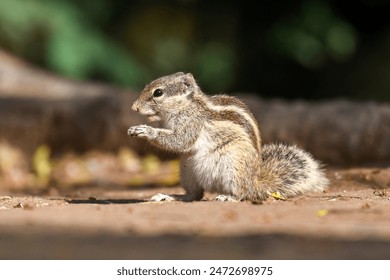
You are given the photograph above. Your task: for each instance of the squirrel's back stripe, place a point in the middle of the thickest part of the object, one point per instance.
(223, 108)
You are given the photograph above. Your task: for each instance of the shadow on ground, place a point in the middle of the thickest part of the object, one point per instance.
(272, 246)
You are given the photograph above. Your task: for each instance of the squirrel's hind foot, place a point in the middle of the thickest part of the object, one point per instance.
(223, 197)
(159, 197)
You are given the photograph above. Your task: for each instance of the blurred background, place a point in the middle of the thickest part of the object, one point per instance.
(72, 131)
(322, 66)
(309, 49)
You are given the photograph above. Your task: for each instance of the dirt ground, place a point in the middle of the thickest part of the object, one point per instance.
(351, 220)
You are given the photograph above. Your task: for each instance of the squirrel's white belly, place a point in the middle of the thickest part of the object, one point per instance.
(212, 169)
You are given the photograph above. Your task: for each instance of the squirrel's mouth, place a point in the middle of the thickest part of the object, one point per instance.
(153, 118)
(151, 115)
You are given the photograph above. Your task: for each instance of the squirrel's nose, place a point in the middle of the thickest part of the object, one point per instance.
(134, 107)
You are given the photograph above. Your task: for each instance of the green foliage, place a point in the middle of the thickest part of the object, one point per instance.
(293, 49)
(73, 46)
(215, 66)
(72, 43)
(313, 36)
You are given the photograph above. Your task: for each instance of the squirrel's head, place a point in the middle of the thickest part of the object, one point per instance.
(166, 95)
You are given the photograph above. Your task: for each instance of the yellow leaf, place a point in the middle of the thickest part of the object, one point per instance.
(129, 160)
(169, 180)
(41, 162)
(136, 181)
(173, 173)
(151, 164)
(277, 195)
(174, 166)
(322, 213)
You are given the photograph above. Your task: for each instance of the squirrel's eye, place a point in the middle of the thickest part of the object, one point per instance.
(158, 92)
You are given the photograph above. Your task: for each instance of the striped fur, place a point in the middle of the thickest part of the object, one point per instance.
(220, 145)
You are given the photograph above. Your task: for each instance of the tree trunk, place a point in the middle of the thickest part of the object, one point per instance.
(336, 131)
(40, 108)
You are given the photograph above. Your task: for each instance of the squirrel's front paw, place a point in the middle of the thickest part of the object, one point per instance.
(140, 131)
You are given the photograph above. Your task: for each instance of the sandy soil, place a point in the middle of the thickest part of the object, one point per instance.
(349, 221)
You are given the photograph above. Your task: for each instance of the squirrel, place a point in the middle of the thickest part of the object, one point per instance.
(219, 141)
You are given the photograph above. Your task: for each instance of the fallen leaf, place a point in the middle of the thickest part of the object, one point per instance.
(129, 161)
(322, 213)
(169, 180)
(366, 206)
(277, 195)
(137, 180)
(151, 164)
(41, 163)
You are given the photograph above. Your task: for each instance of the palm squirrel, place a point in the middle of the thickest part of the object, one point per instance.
(220, 145)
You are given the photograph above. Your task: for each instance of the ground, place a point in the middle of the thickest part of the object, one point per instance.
(351, 220)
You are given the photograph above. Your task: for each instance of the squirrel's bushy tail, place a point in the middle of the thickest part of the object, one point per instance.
(290, 171)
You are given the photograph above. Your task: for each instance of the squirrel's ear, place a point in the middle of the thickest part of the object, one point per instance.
(189, 80)
(190, 86)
